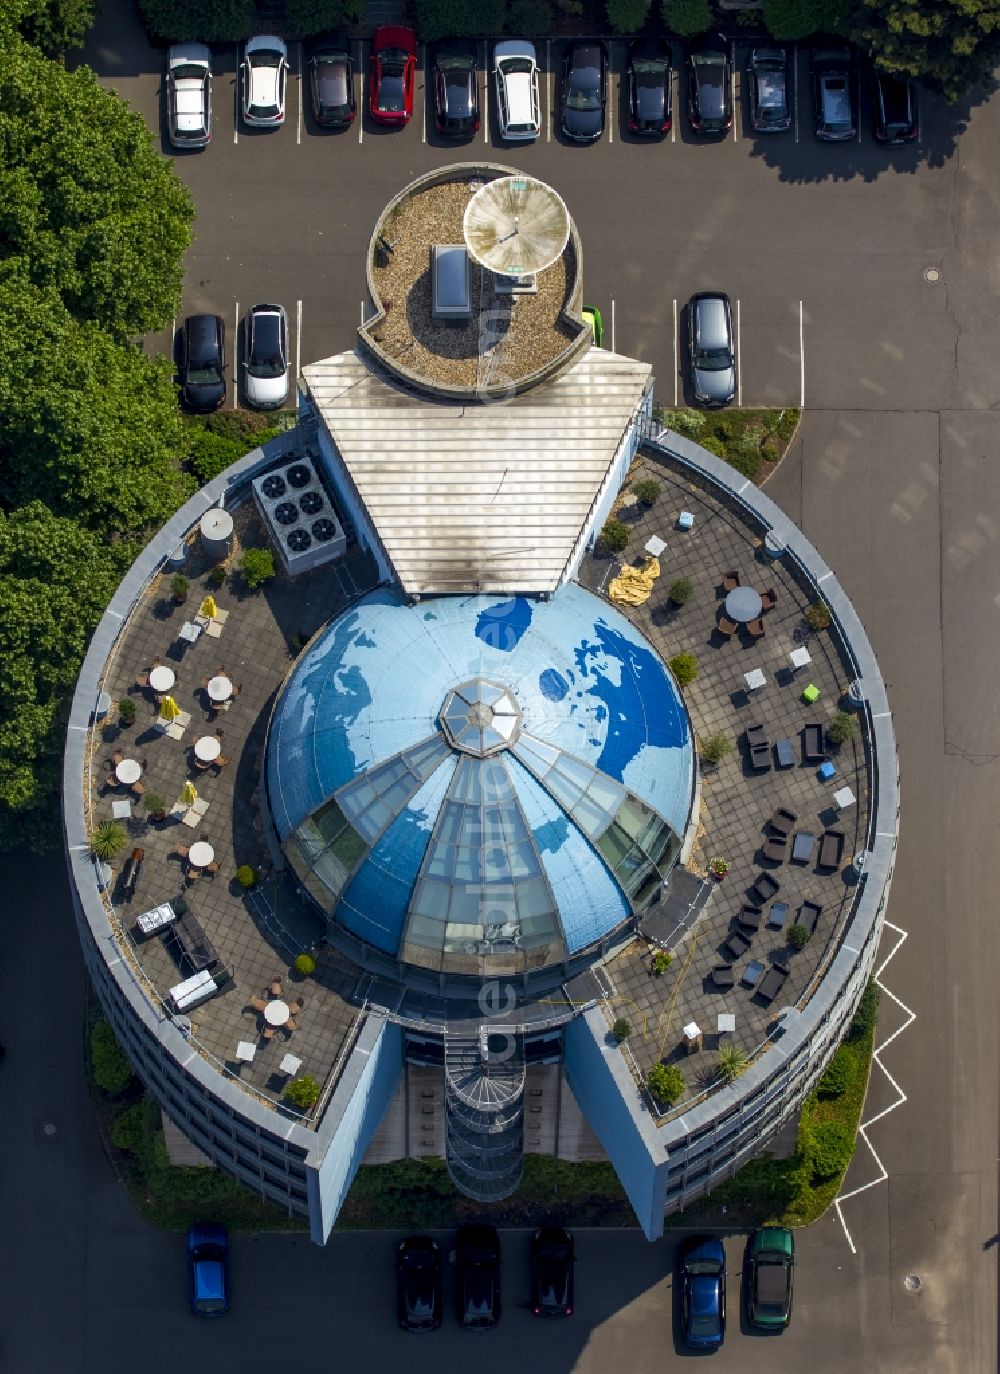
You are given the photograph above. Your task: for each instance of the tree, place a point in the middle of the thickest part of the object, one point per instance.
(55, 25)
(110, 1067)
(627, 16)
(529, 18)
(458, 18)
(207, 21)
(792, 19)
(687, 17)
(88, 206)
(303, 18)
(954, 44)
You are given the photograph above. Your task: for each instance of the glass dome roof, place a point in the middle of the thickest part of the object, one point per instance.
(475, 785)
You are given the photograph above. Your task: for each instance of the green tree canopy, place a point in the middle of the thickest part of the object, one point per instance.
(793, 19)
(207, 21)
(53, 25)
(953, 44)
(88, 207)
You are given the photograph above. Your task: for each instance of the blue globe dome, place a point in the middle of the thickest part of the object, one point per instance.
(473, 785)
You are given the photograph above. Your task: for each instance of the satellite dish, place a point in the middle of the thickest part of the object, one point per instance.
(516, 226)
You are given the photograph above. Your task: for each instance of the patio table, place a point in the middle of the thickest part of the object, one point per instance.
(277, 1012)
(743, 604)
(161, 679)
(220, 688)
(128, 771)
(207, 748)
(201, 854)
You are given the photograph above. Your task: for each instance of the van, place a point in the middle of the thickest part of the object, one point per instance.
(451, 296)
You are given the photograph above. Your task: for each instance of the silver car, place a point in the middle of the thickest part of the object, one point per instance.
(266, 365)
(710, 347)
(189, 95)
(265, 67)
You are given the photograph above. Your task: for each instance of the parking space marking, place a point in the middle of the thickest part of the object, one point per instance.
(675, 83)
(676, 363)
(613, 349)
(426, 112)
(795, 88)
(361, 85)
(739, 357)
(548, 90)
(611, 92)
(298, 118)
(732, 83)
(236, 98)
(298, 338)
(802, 362)
(236, 351)
(486, 91)
(859, 104)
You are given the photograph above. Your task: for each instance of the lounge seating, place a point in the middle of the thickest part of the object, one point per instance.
(736, 946)
(756, 734)
(760, 758)
(785, 753)
(802, 847)
(730, 581)
(749, 918)
(192, 946)
(764, 889)
(130, 874)
(726, 627)
(809, 914)
(831, 849)
(774, 847)
(723, 976)
(783, 821)
(772, 983)
(813, 750)
(755, 628)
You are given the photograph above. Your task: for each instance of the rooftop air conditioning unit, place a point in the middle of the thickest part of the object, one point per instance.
(299, 516)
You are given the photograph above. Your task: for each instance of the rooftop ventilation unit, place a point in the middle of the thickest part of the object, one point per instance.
(299, 516)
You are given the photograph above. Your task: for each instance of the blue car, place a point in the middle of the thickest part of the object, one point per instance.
(703, 1292)
(208, 1270)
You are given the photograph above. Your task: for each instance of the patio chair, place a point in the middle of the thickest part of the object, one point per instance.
(773, 849)
(257, 1003)
(831, 849)
(813, 750)
(291, 1024)
(756, 734)
(138, 788)
(768, 599)
(736, 946)
(111, 781)
(730, 580)
(726, 627)
(760, 758)
(772, 983)
(117, 757)
(749, 918)
(211, 869)
(192, 874)
(723, 976)
(142, 681)
(202, 764)
(183, 850)
(764, 889)
(755, 628)
(268, 1033)
(275, 987)
(296, 1006)
(157, 663)
(221, 761)
(782, 822)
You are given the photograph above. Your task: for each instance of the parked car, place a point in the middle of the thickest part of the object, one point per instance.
(650, 87)
(394, 67)
(595, 319)
(552, 1266)
(456, 89)
(189, 95)
(768, 90)
(266, 366)
(203, 362)
(833, 94)
(265, 68)
(477, 1276)
(515, 71)
(770, 1280)
(331, 82)
(418, 1284)
(894, 103)
(711, 350)
(710, 84)
(703, 1292)
(584, 92)
(208, 1270)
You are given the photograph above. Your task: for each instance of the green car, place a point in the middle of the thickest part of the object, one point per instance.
(772, 1268)
(593, 317)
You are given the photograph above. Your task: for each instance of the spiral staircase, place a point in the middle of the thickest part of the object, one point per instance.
(484, 1114)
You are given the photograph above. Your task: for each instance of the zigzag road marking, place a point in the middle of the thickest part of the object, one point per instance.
(911, 1016)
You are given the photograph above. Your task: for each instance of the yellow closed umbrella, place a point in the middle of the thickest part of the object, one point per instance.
(189, 794)
(169, 709)
(209, 608)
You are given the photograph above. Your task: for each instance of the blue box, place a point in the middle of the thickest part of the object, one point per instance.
(827, 771)
(685, 520)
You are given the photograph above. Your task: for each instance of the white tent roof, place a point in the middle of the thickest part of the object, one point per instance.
(488, 498)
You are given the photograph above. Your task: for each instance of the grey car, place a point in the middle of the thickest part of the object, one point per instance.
(710, 349)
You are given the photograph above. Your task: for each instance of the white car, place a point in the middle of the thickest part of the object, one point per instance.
(189, 95)
(516, 70)
(266, 365)
(265, 66)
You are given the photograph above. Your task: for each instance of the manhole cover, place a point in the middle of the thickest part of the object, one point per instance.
(49, 1128)
(913, 1283)
(931, 274)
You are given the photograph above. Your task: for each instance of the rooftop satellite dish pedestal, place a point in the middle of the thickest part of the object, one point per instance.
(515, 227)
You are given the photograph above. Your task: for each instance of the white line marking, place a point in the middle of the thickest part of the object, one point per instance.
(859, 104)
(611, 92)
(613, 349)
(423, 122)
(802, 362)
(236, 93)
(298, 338)
(732, 83)
(486, 92)
(298, 73)
(901, 1097)
(548, 90)
(361, 83)
(676, 363)
(236, 351)
(739, 357)
(362, 309)
(674, 83)
(795, 88)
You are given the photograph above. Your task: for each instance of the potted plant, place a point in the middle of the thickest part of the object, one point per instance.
(731, 1062)
(126, 711)
(305, 964)
(646, 491)
(818, 615)
(107, 840)
(257, 567)
(666, 1083)
(179, 588)
(621, 1030)
(614, 537)
(156, 806)
(661, 961)
(719, 867)
(246, 876)
(681, 591)
(715, 747)
(218, 575)
(841, 728)
(799, 936)
(684, 668)
(302, 1092)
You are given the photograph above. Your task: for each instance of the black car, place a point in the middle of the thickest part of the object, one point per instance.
(418, 1284)
(552, 1262)
(710, 84)
(477, 1277)
(650, 87)
(894, 102)
(584, 92)
(331, 82)
(203, 362)
(456, 89)
(767, 85)
(833, 94)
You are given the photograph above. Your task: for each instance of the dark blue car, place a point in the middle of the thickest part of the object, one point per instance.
(703, 1292)
(208, 1270)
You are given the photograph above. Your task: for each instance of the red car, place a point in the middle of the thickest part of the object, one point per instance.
(394, 66)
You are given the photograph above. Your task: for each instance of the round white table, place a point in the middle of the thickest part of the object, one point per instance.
(207, 748)
(276, 1013)
(201, 854)
(129, 771)
(743, 604)
(161, 679)
(220, 688)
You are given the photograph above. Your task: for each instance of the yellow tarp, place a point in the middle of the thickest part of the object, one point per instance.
(209, 608)
(633, 586)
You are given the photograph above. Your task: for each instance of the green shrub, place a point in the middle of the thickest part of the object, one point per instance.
(793, 19)
(684, 668)
(129, 1131)
(818, 615)
(831, 1149)
(841, 728)
(257, 567)
(206, 21)
(687, 17)
(55, 25)
(305, 964)
(303, 1092)
(179, 587)
(246, 876)
(681, 591)
(621, 1030)
(248, 428)
(212, 453)
(126, 711)
(715, 747)
(626, 16)
(666, 1083)
(863, 1022)
(110, 1068)
(614, 536)
(107, 840)
(745, 456)
(646, 490)
(731, 1063)
(218, 575)
(839, 1075)
(713, 443)
(661, 961)
(458, 18)
(156, 805)
(798, 936)
(529, 18)
(690, 423)
(303, 18)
